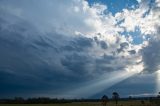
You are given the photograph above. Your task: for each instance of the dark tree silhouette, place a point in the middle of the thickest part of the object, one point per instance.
(158, 96)
(115, 96)
(130, 97)
(104, 100)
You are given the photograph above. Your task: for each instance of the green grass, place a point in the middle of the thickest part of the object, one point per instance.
(120, 103)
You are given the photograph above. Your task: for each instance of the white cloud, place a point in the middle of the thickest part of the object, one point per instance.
(139, 1)
(146, 17)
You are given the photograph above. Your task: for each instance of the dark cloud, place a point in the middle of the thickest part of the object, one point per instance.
(42, 62)
(29, 60)
(101, 43)
(151, 56)
(77, 64)
(132, 52)
(151, 53)
(123, 45)
(38, 61)
(79, 44)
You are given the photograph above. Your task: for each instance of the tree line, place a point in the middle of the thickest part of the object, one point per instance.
(43, 100)
(47, 100)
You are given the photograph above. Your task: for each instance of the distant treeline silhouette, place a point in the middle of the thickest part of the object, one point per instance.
(43, 100)
(47, 100)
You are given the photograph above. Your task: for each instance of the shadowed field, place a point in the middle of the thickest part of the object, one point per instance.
(112, 103)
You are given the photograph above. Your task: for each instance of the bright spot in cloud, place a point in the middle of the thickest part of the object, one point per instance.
(158, 81)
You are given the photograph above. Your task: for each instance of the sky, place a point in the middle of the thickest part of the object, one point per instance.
(79, 48)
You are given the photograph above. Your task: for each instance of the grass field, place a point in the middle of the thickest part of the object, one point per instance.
(121, 103)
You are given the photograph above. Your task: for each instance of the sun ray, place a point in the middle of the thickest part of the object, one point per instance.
(104, 82)
(158, 81)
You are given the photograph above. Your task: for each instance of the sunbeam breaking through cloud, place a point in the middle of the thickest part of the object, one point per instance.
(103, 82)
(158, 81)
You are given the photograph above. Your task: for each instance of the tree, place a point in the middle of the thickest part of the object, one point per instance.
(104, 100)
(115, 96)
(130, 97)
(158, 96)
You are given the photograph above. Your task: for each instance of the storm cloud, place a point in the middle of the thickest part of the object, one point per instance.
(53, 46)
